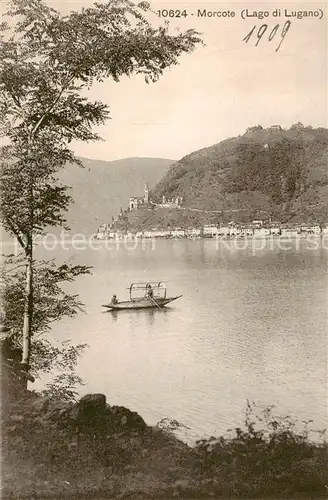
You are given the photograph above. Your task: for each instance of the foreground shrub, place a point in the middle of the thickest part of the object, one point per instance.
(269, 457)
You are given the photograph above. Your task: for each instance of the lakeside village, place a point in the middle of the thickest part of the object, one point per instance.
(255, 229)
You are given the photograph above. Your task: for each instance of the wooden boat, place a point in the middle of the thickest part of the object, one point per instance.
(144, 295)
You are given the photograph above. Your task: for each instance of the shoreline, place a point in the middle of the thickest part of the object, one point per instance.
(226, 238)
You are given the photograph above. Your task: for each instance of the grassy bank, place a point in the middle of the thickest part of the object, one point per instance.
(89, 449)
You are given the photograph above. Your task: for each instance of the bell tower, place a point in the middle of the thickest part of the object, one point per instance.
(146, 197)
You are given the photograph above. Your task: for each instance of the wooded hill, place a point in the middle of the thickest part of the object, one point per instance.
(265, 172)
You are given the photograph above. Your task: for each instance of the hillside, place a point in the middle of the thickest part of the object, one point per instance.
(263, 173)
(101, 188)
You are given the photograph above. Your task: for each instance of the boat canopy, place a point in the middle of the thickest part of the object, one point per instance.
(141, 288)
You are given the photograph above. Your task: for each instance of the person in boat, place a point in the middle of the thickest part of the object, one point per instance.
(149, 292)
(114, 299)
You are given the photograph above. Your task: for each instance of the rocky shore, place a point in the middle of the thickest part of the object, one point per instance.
(90, 449)
(85, 450)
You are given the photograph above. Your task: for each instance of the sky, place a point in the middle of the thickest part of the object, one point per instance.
(220, 89)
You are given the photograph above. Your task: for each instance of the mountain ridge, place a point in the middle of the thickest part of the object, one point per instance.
(101, 188)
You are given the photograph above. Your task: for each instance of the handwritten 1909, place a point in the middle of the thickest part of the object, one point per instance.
(276, 31)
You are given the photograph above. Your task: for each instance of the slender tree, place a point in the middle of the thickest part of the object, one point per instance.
(50, 303)
(46, 61)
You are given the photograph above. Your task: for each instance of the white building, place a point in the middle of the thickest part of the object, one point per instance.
(224, 230)
(193, 232)
(210, 230)
(162, 233)
(246, 231)
(178, 232)
(257, 223)
(102, 232)
(157, 233)
(235, 231)
(289, 232)
(261, 232)
(316, 229)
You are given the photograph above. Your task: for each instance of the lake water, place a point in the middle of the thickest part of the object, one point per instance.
(252, 324)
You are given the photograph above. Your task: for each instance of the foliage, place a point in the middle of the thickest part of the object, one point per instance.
(63, 387)
(48, 59)
(51, 303)
(270, 457)
(50, 200)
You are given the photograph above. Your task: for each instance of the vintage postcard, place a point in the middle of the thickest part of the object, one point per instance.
(164, 214)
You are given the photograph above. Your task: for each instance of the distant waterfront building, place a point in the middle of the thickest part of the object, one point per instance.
(102, 232)
(210, 230)
(193, 232)
(178, 232)
(260, 232)
(247, 230)
(157, 233)
(235, 231)
(275, 230)
(315, 229)
(257, 223)
(289, 231)
(224, 230)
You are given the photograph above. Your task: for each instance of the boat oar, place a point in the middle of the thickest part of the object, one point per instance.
(154, 301)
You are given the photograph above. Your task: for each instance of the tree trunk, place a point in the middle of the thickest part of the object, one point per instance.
(28, 306)
(28, 309)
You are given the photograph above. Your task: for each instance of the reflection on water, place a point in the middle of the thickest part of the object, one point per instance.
(149, 314)
(250, 324)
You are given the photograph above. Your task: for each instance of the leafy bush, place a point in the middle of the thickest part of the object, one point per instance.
(269, 457)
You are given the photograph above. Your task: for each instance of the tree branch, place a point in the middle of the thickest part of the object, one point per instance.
(14, 98)
(38, 125)
(16, 233)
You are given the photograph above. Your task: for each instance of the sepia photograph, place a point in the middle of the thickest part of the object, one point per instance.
(164, 249)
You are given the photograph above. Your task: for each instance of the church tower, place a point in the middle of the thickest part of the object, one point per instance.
(146, 197)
